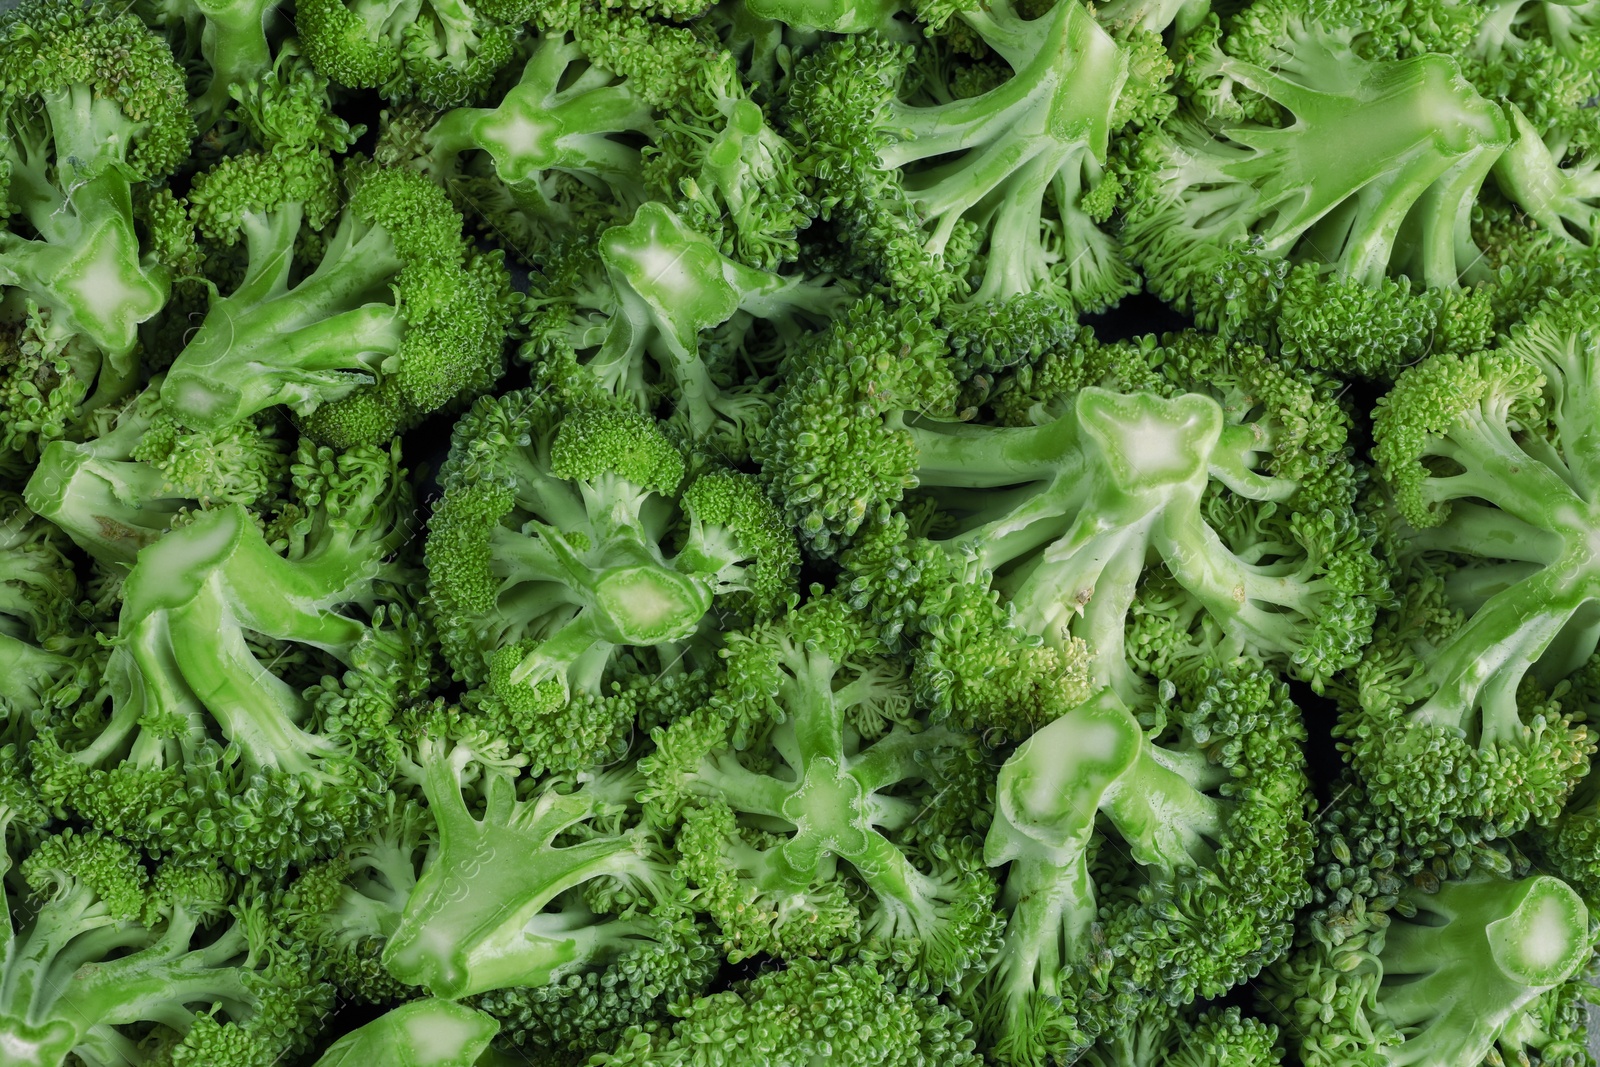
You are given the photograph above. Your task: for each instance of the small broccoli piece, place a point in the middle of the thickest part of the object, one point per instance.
(564, 547)
(1011, 175)
(124, 488)
(444, 53)
(1208, 799)
(201, 741)
(1244, 217)
(93, 110)
(344, 909)
(729, 173)
(809, 1012)
(1540, 57)
(532, 890)
(634, 314)
(1439, 977)
(1215, 1037)
(398, 318)
(812, 691)
(424, 1033)
(1563, 197)
(40, 630)
(225, 44)
(97, 956)
(1455, 725)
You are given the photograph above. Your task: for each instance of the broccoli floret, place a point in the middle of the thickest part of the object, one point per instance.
(202, 741)
(564, 547)
(93, 111)
(41, 630)
(1455, 723)
(225, 44)
(1437, 978)
(96, 957)
(425, 1033)
(633, 312)
(445, 53)
(1325, 180)
(1207, 799)
(812, 691)
(1014, 176)
(124, 488)
(532, 890)
(809, 1012)
(398, 318)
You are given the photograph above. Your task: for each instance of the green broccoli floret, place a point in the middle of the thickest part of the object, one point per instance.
(92, 111)
(812, 1011)
(1215, 1037)
(1015, 176)
(1561, 195)
(1228, 467)
(398, 318)
(41, 632)
(424, 1033)
(1454, 724)
(203, 739)
(1439, 977)
(96, 957)
(1193, 819)
(560, 151)
(1326, 180)
(224, 44)
(532, 890)
(718, 160)
(445, 53)
(632, 313)
(344, 909)
(564, 551)
(122, 489)
(809, 756)
(1540, 56)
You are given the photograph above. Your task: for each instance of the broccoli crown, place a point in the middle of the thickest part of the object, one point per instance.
(1436, 979)
(633, 317)
(249, 757)
(479, 920)
(1242, 216)
(563, 550)
(812, 1009)
(1460, 717)
(445, 53)
(398, 318)
(92, 105)
(1195, 812)
(97, 955)
(1003, 185)
(856, 764)
(124, 488)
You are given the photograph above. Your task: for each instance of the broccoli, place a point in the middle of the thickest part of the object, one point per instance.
(97, 955)
(810, 1011)
(1438, 978)
(1196, 810)
(1009, 186)
(423, 1033)
(567, 548)
(143, 473)
(856, 768)
(95, 116)
(1454, 721)
(191, 752)
(533, 890)
(633, 314)
(1319, 196)
(445, 53)
(398, 318)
